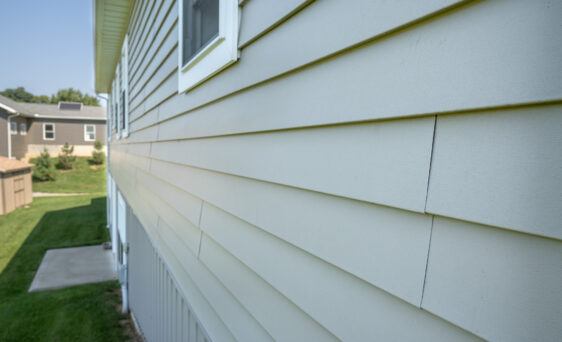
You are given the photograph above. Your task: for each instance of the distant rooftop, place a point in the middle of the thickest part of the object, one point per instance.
(62, 110)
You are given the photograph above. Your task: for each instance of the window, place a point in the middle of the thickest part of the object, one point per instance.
(48, 131)
(122, 93)
(208, 39)
(23, 128)
(13, 127)
(89, 132)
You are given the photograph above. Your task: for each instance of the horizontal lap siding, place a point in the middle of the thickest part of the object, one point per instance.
(502, 168)
(398, 76)
(310, 173)
(383, 162)
(501, 285)
(352, 309)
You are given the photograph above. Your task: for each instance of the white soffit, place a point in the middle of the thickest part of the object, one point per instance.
(111, 18)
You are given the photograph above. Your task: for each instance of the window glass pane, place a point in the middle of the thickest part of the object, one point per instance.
(14, 127)
(90, 129)
(48, 127)
(200, 25)
(123, 110)
(92, 136)
(49, 135)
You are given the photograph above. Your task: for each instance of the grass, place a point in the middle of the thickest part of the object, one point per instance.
(84, 178)
(79, 313)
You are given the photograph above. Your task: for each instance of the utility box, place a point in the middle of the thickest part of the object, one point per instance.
(15, 184)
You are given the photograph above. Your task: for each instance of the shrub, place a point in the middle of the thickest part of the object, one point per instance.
(66, 159)
(44, 168)
(98, 157)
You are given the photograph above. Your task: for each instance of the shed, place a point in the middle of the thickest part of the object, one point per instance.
(15, 184)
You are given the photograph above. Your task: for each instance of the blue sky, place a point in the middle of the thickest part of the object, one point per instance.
(46, 45)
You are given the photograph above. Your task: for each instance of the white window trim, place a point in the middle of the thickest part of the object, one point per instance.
(23, 131)
(123, 86)
(217, 55)
(86, 138)
(12, 125)
(117, 101)
(54, 131)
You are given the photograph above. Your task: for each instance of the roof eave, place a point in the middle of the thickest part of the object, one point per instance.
(107, 44)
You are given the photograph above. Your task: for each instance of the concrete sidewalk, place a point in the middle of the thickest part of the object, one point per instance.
(74, 266)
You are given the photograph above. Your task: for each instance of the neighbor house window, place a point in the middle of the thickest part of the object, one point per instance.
(48, 131)
(208, 39)
(23, 128)
(89, 132)
(13, 127)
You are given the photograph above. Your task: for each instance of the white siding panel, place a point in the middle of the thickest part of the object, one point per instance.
(145, 28)
(289, 46)
(188, 205)
(187, 232)
(283, 320)
(384, 246)
(240, 323)
(488, 54)
(168, 14)
(501, 285)
(258, 16)
(169, 65)
(500, 168)
(166, 61)
(202, 308)
(384, 162)
(351, 309)
(144, 135)
(147, 119)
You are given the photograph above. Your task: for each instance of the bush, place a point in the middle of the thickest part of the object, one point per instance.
(98, 157)
(44, 168)
(66, 159)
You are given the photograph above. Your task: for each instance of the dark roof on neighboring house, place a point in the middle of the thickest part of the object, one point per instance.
(53, 111)
(9, 165)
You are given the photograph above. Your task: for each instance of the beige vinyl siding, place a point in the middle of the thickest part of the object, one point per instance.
(262, 16)
(341, 186)
(515, 176)
(503, 286)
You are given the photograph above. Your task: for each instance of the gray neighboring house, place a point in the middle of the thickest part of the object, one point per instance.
(362, 170)
(26, 129)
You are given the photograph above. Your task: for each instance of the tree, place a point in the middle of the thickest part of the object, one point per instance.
(18, 94)
(98, 156)
(41, 99)
(44, 168)
(66, 159)
(74, 95)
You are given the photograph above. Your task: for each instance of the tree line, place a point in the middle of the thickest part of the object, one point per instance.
(19, 94)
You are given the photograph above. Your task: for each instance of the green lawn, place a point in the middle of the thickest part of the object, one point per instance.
(83, 178)
(79, 313)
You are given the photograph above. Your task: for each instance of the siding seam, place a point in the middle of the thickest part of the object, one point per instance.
(427, 260)
(430, 164)
(200, 230)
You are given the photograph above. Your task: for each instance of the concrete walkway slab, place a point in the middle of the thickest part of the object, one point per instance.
(74, 266)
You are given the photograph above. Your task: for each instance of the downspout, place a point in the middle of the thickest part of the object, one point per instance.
(108, 178)
(125, 280)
